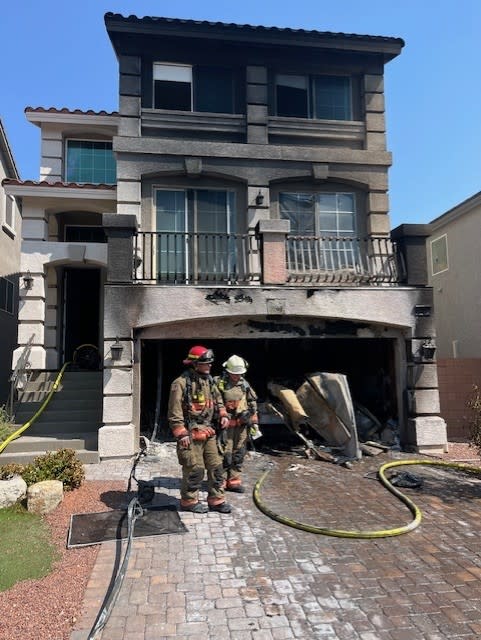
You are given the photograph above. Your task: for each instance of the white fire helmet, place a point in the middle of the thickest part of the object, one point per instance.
(235, 365)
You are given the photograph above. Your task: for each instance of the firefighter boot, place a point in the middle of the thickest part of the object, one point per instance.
(223, 507)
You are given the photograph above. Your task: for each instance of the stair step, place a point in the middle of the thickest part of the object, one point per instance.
(85, 456)
(77, 441)
(52, 428)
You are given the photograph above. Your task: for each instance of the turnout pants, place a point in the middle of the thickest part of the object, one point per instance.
(199, 457)
(234, 454)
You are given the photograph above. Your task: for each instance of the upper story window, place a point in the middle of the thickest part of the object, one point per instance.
(6, 295)
(320, 97)
(90, 161)
(439, 254)
(322, 230)
(193, 88)
(10, 212)
(319, 214)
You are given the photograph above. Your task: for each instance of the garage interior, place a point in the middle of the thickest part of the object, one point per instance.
(368, 364)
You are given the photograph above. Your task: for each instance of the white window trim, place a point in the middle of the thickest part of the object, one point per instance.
(10, 205)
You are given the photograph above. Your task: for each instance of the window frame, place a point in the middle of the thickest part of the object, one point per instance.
(10, 212)
(9, 286)
(196, 89)
(310, 80)
(445, 264)
(69, 140)
(190, 254)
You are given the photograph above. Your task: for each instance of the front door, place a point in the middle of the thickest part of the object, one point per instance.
(81, 294)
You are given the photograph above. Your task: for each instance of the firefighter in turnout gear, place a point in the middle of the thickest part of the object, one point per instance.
(196, 412)
(240, 402)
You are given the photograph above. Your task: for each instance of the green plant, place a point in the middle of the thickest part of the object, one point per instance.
(6, 424)
(12, 469)
(61, 465)
(25, 548)
(474, 403)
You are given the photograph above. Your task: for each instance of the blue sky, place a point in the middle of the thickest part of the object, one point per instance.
(56, 53)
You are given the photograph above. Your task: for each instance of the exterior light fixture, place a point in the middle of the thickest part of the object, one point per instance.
(27, 280)
(116, 350)
(260, 198)
(428, 349)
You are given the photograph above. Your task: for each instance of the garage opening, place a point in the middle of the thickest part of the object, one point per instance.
(367, 363)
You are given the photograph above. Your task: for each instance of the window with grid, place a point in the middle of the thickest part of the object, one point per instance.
(90, 161)
(319, 97)
(325, 227)
(196, 228)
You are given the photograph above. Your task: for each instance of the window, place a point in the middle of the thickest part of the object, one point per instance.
(320, 97)
(200, 88)
(6, 295)
(196, 228)
(90, 161)
(10, 212)
(439, 255)
(327, 221)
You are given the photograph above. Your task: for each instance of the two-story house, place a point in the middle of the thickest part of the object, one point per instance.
(238, 199)
(10, 236)
(453, 248)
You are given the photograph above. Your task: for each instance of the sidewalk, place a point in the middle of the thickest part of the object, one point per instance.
(245, 576)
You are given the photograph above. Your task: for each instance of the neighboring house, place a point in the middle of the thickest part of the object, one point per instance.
(10, 239)
(453, 254)
(248, 211)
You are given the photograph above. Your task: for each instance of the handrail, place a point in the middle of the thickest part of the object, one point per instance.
(25, 426)
(20, 368)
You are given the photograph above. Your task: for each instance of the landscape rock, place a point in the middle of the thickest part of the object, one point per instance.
(44, 497)
(12, 491)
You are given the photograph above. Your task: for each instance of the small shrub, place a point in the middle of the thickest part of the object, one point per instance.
(6, 424)
(9, 470)
(61, 465)
(474, 403)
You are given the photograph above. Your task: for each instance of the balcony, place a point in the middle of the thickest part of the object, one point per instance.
(196, 258)
(342, 260)
(176, 258)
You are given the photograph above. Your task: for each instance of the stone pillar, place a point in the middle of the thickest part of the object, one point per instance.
(120, 230)
(256, 108)
(274, 266)
(411, 245)
(128, 188)
(374, 112)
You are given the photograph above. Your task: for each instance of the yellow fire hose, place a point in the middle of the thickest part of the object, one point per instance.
(383, 533)
(25, 426)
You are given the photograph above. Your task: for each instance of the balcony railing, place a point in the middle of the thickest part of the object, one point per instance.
(196, 258)
(337, 260)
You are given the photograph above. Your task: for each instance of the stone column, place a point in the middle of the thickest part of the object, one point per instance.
(120, 230)
(411, 245)
(256, 108)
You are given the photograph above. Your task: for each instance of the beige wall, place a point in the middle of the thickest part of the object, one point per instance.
(457, 291)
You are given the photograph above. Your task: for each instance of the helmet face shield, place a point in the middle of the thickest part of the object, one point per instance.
(199, 354)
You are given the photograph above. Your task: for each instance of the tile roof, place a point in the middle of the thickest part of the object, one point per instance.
(89, 112)
(68, 185)
(246, 27)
